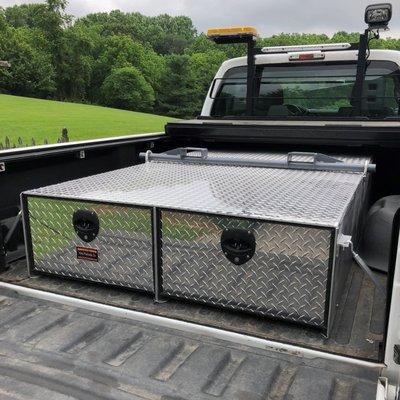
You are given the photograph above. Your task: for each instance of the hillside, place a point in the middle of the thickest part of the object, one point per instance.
(44, 119)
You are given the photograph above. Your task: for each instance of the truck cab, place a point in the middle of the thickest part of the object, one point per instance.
(307, 82)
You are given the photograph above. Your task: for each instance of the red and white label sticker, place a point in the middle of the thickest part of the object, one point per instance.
(87, 253)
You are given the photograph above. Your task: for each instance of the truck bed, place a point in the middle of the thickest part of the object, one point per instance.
(53, 351)
(358, 330)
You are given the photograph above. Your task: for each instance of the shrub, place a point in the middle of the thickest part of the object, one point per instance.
(127, 88)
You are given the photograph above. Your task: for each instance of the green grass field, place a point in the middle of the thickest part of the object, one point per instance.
(40, 119)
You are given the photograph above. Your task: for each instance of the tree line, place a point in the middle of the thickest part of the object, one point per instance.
(126, 60)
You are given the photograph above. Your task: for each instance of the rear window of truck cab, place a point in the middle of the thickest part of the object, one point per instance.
(310, 90)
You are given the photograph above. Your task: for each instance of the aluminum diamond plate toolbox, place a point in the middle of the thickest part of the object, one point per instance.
(121, 254)
(261, 240)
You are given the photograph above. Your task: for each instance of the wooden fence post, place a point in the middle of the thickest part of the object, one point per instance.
(64, 135)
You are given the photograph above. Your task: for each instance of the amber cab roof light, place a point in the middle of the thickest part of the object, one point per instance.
(233, 34)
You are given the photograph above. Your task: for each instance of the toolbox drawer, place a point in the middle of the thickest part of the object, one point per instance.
(119, 254)
(286, 275)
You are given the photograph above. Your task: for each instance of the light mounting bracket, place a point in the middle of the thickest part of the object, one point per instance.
(241, 34)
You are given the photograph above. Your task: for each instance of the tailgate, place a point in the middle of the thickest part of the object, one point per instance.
(54, 351)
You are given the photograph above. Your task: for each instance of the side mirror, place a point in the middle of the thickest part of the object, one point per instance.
(377, 16)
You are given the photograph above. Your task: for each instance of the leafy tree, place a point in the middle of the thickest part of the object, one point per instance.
(32, 73)
(176, 34)
(165, 34)
(180, 25)
(25, 15)
(126, 88)
(120, 51)
(116, 23)
(203, 67)
(202, 44)
(291, 39)
(53, 24)
(345, 37)
(178, 93)
(75, 76)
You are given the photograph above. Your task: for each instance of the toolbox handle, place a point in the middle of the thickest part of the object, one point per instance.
(86, 224)
(315, 158)
(318, 162)
(238, 245)
(179, 154)
(183, 152)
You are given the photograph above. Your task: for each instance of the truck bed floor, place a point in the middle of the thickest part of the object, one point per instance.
(358, 329)
(51, 351)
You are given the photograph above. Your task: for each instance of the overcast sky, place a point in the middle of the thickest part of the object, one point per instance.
(269, 16)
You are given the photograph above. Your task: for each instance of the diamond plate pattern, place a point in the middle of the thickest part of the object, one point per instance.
(296, 196)
(287, 277)
(124, 243)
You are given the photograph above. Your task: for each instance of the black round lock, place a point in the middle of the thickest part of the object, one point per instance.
(238, 245)
(86, 224)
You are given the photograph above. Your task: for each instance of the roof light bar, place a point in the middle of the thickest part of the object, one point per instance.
(308, 47)
(232, 31)
(233, 34)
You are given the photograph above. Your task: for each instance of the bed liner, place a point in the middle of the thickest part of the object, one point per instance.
(358, 333)
(53, 351)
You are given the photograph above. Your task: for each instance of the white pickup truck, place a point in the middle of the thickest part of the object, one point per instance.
(280, 118)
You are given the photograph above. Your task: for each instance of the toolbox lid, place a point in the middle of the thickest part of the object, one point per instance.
(307, 197)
